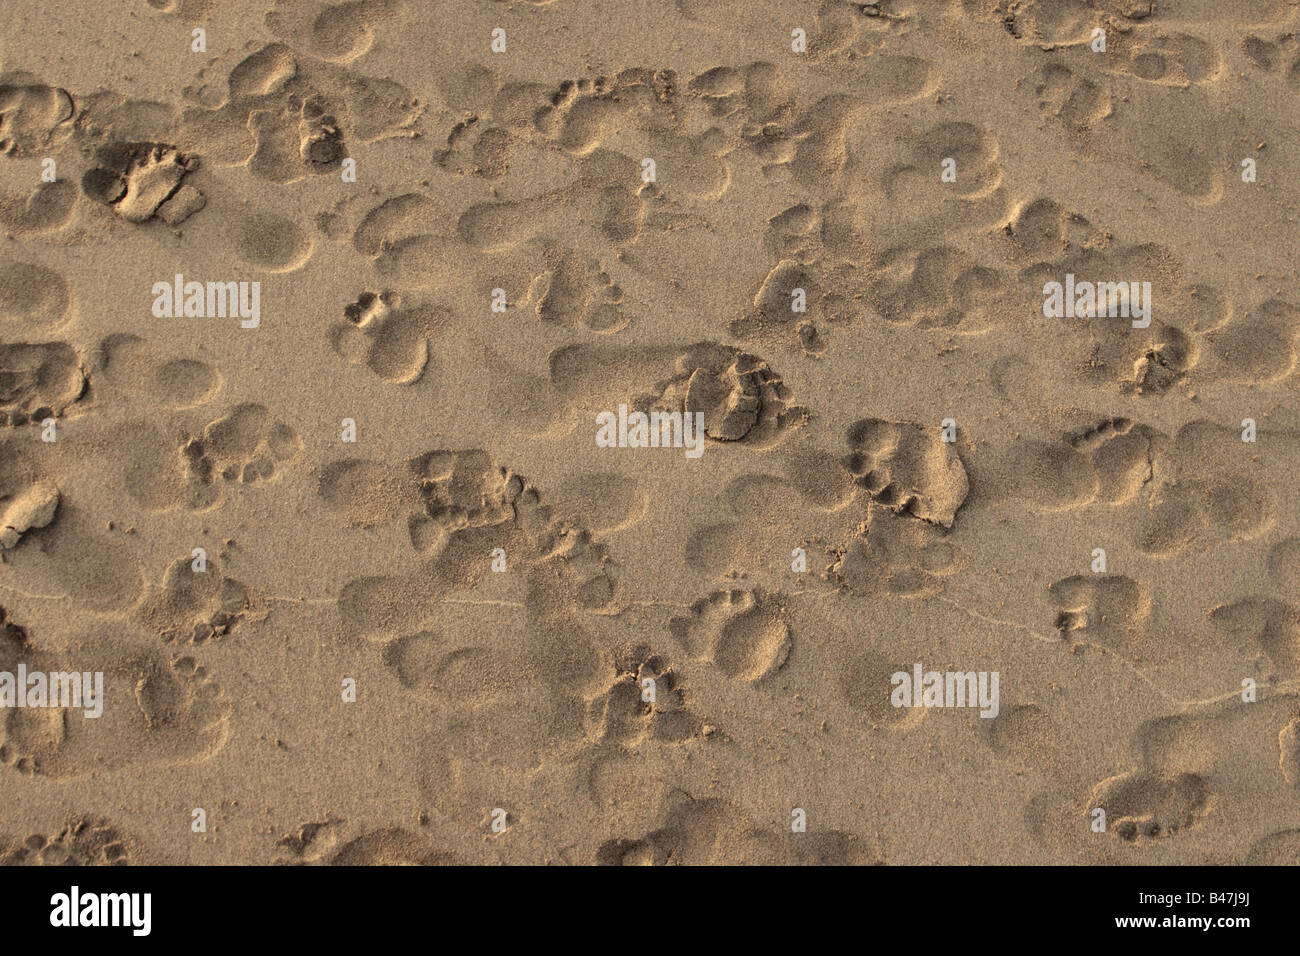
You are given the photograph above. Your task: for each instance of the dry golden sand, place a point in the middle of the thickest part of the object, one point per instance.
(774, 171)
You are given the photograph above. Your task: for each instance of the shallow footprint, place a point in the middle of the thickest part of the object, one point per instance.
(744, 633)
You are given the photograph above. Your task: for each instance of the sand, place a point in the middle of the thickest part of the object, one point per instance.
(310, 317)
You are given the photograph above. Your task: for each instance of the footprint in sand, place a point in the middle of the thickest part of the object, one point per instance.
(742, 398)
(573, 289)
(581, 112)
(1079, 104)
(1143, 806)
(128, 365)
(1083, 103)
(339, 32)
(1246, 748)
(33, 116)
(1133, 49)
(600, 501)
(38, 382)
(247, 445)
(49, 542)
(411, 243)
(908, 468)
(156, 711)
(1258, 349)
(973, 149)
(34, 300)
(86, 841)
(1122, 453)
(291, 115)
(52, 544)
(604, 200)
(807, 271)
(1183, 510)
(890, 202)
(760, 512)
(1173, 59)
(500, 663)
(438, 493)
(474, 147)
(391, 847)
(459, 507)
(506, 751)
(1141, 361)
(312, 842)
(390, 338)
(893, 555)
(137, 180)
(395, 219)
(582, 115)
(493, 674)
(412, 250)
(744, 633)
(1275, 55)
(1263, 624)
(1212, 489)
(713, 831)
(1110, 610)
(48, 208)
(1055, 22)
(941, 287)
(744, 401)
(625, 719)
(1108, 460)
(194, 607)
(1223, 760)
(1042, 230)
(431, 665)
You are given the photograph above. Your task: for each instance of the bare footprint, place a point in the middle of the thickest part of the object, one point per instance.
(891, 555)
(1143, 806)
(1106, 609)
(127, 363)
(908, 468)
(86, 841)
(193, 606)
(34, 300)
(391, 339)
(245, 445)
(33, 116)
(742, 398)
(48, 208)
(39, 382)
(136, 179)
(744, 633)
(155, 711)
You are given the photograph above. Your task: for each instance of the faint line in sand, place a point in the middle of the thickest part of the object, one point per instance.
(1281, 688)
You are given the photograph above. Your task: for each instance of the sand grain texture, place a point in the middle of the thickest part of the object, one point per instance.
(519, 178)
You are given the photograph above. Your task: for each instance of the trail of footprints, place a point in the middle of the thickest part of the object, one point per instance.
(881, 517)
